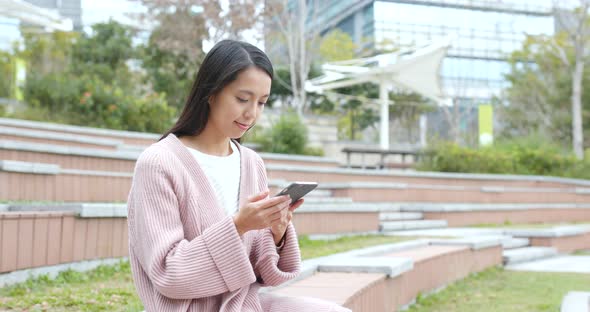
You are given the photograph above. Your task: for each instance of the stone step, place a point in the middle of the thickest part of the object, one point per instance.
(525, 254)
(387, 226)
(576, 301)
(513, 243)
(399, 216)
(319, 193)
(328, 200)
(310, 206)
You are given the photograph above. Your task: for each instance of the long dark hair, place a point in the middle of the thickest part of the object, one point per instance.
(220, 67)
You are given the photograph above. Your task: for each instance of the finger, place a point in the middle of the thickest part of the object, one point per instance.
(296, 205)
(259, 196)
(273, 201)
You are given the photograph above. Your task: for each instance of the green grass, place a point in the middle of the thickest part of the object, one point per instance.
(582, 253)
(110, 288)
(107, 288)
(319, 248)
(507, 291)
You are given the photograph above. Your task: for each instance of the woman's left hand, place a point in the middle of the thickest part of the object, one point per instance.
(286, 215)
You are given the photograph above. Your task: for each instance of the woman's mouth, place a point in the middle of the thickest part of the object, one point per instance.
(242, 126)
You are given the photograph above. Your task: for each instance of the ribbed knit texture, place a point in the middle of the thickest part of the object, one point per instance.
(185, 252)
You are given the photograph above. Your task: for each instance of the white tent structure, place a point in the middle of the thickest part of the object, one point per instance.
(417, 71)
(29, 13)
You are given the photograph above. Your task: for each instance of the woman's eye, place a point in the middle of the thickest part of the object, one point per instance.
(242, 100)
(261, 103)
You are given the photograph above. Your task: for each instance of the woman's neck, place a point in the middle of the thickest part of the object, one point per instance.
(209, 143)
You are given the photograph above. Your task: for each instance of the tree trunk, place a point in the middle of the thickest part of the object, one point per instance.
(577, 131)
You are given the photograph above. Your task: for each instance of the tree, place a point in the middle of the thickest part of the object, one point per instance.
(182, 26)
(577, 31)
(290, 25)
(337, 46)
(538, 91)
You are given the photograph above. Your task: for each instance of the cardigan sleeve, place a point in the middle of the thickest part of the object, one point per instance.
(275, 267)
(213, 263)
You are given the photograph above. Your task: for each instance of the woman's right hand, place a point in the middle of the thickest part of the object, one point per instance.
(261, 212)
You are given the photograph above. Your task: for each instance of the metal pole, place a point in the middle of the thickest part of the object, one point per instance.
(383, 96)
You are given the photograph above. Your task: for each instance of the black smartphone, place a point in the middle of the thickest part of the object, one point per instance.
(297, 190)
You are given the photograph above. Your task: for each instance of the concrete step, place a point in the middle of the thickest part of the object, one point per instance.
(387, 226)
(319, 193)
(576, 301)
(399, 216)
(514, 243)
(311, 206)
(525, 254)
(328, 200)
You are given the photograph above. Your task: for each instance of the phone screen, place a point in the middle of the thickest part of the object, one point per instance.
(298, 189)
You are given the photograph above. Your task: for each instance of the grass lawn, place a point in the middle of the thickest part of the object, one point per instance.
(507, 291)
(582, 253)
(110, 288)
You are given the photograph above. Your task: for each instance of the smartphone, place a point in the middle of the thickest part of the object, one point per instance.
(297, 190)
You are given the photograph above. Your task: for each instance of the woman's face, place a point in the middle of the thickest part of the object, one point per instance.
(237, 106)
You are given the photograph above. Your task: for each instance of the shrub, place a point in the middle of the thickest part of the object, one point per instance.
(542, 159)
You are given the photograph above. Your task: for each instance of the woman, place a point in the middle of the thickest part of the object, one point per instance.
(203, 233)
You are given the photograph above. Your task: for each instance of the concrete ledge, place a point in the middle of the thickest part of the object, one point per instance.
(316, 159)
(576, 301)
(309, 267)
(409, 225)
(68, 150)
(475, 242)
(391, 267)
(450, 207)
(346, 207)
(59, 137)
(525, 254)
(82, 210)
(405, 186)
(76, 129)
(433, 175)
(26, 167)
(20, 276)
(51, 169)
(561, 231)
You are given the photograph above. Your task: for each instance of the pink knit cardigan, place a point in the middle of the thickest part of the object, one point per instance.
(185, 252)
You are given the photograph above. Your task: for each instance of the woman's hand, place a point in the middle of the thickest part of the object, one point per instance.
(278, 230)
(261, 212)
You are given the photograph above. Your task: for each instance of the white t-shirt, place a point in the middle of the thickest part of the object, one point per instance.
(223, 173)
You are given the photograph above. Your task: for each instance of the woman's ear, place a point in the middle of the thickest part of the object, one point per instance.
(211, 100)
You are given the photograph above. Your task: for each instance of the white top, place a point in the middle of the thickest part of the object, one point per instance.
(223, 173)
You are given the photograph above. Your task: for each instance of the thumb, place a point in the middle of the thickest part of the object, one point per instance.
(259, 196)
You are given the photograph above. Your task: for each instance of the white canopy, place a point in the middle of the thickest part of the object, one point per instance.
(35, 15)
(417, 70)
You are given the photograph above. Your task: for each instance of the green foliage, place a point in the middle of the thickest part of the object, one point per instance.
(168, 73)
(539, 92)
(7, 74)
(286, 136)
(94, 85)
(524, 156)
(337, 45)
(89, 101)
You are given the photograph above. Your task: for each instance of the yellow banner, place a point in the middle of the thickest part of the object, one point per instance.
(486, 125)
